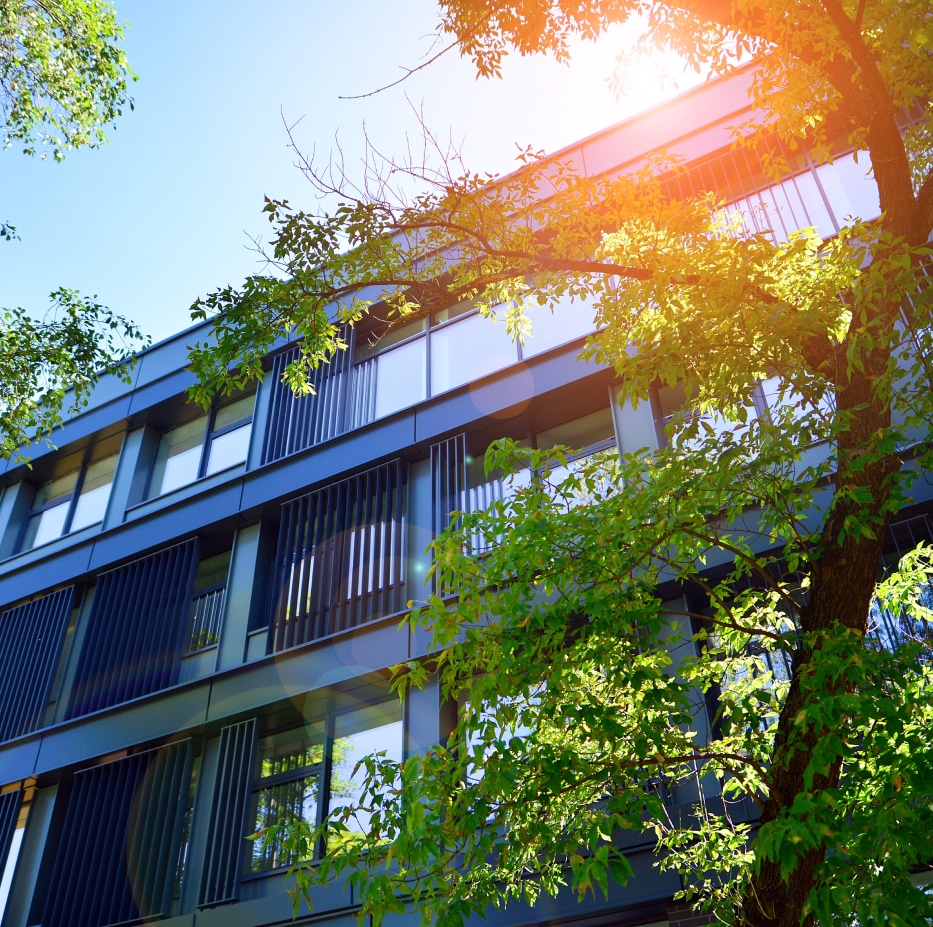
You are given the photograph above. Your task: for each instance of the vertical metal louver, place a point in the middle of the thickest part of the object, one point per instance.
(117, 853)
(137, 630)
(340, 559)
(9, 814)
(448, 480)
(223, 860)
(299, 422)
(31, 637)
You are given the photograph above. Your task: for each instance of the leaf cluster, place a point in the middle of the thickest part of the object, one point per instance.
(49, 368)
(63, 74)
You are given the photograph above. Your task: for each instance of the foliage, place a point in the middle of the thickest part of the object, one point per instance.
(49, 368)
(680, 642)
(63, 74)
(63, 78)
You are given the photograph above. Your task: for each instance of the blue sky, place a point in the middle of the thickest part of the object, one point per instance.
(165, 212)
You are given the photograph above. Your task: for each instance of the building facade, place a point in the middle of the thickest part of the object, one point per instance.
(199, 610)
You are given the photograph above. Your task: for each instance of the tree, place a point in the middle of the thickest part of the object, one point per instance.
(63, 78)
(63, 74)
(557, 641)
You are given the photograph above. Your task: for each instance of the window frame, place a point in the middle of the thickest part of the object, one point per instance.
(70, 501)
(210, 434)
(326, 733)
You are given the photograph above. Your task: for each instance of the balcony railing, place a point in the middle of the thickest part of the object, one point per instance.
(207, 610)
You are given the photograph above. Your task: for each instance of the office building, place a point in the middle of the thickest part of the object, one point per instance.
(199, 608)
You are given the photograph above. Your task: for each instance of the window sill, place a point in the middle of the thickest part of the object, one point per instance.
(40, 551)
(185, 492)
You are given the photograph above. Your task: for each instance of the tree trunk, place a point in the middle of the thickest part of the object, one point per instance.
(842, 582)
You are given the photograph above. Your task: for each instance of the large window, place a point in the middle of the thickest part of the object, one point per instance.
(305, 772)
(406, 363)
(70, 502)
(587, 435)
(205, 445)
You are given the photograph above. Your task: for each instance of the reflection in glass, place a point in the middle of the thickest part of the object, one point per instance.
(360, 734)
(52, 514)
(229, 449)
(289, 775)
(388, 382)
(568, 321)
(850, 187)
(95, 493)
(178, 457)
(467, 350)
(45, 526)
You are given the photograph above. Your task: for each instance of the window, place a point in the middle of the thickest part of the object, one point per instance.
(70, 502)
(205, 445)
(673, 419)
(465, 347)
(402, 364)
(588, 434)
(290, 775)
(207, 606)
(390, 372)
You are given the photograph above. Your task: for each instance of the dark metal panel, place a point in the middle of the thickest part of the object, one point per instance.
(28, 574)
(137, 630)
(335, 662)
(31, 637)
(223, 858)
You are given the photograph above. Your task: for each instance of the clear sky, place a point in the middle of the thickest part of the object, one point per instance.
(166, 211)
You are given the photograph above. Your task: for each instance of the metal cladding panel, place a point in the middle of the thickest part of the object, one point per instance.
(28, 574)
(298, 422)
(340, 560)
(137, 630)
(118, 850)
(223, 859)
(31, 637)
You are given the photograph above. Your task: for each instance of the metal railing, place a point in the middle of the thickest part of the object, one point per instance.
(207, 610)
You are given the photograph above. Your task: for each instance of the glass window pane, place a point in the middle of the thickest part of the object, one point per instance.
(295, 756)
(469, 349)
(178, 457)
(95, 493)
(368, 344)
(213, 571)
(229, 449)
(851, 190)
(289, 801)
(400, 377)
(568, 321)
(45, 526)
(358, 734)
(817, 214)
(56, 489)
(586, 431)
(239, 411)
